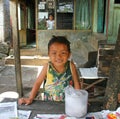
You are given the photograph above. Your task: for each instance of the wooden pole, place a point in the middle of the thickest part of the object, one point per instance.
(17, 54)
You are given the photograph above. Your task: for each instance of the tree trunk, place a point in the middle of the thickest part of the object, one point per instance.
(113, 84)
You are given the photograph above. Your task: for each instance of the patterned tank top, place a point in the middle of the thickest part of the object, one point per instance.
(56, 83)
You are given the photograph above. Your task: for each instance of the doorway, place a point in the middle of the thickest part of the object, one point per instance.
(101, 16)
(26, 15)
(30, 31)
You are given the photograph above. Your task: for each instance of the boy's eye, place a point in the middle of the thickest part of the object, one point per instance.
(64, 53)
(53, 53)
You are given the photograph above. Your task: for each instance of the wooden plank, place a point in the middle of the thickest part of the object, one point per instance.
(94, 83)
(104, 63)
(108, 58)
(17, 50)
(106, 51)
(105, 57)
(106, 45)
(98, 99)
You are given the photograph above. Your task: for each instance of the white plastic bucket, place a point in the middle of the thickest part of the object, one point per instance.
(75, 102)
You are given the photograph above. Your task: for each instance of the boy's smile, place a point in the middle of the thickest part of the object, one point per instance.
(58, 54)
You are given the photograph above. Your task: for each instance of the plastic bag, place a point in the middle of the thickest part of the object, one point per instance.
(75, 102)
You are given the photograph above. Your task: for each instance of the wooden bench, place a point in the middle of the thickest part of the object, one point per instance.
(91, 74)
(100, 73)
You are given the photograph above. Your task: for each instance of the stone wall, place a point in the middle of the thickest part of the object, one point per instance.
(1, 22)
(4, 52)
(5, 32)
(4, 49)
(5, 26)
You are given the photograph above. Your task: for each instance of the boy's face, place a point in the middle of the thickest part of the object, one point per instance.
(58, 54)
(51, 17)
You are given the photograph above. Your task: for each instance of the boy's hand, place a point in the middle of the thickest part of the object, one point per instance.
(25, 101)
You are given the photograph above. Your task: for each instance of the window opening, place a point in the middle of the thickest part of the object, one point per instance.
(117, 1)
(64, 14)
(45, 9)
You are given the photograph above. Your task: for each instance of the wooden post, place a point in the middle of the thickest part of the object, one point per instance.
(17, 52)
(113, 84)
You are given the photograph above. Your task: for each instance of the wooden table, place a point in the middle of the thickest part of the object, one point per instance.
(44, 107)
(48, 107)
(41, 107)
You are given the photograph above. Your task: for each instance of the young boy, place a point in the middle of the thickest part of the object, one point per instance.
(50, 23)
(58, 73)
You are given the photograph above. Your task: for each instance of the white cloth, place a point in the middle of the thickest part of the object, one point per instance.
(89, 73)
(50, 24)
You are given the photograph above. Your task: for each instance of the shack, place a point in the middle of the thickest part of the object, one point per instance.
(76, 19)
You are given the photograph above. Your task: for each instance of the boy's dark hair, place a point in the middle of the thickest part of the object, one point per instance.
(59, 39)
(51, 14)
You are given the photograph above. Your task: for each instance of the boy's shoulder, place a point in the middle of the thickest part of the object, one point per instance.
(46, 65)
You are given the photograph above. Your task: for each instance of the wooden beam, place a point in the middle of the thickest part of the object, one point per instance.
(16, 45)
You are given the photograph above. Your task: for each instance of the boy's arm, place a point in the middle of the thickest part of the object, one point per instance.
(38, 82)
(75, 76)
(35, 88)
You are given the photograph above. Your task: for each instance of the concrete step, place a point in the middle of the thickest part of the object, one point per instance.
(30, 52)
(28, 60)
(27, 52)
(30, 56)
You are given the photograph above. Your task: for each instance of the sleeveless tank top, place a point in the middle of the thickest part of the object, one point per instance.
(56, 83)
